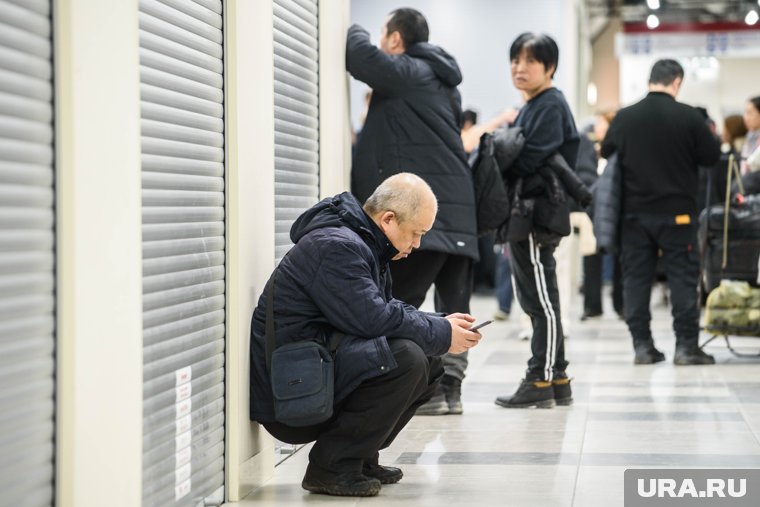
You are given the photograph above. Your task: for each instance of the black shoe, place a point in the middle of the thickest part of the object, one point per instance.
(563, 394)
(452, 388)
(386, 475)
(530, 393)
(436, 405)
(648, 356)
(692, 356)
(319, 480)
(591, 315)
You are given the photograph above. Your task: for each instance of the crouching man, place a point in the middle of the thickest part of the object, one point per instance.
(335, 281)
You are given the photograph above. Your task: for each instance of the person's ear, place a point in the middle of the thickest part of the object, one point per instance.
(396, 42)
(386, 217)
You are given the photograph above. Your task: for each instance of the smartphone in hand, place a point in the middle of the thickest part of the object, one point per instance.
(482, 324)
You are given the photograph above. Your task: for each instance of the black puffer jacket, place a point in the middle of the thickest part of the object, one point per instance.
(337, 277)
(413, 126)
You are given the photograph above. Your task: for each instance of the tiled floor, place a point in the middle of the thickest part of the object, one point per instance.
(624, 416)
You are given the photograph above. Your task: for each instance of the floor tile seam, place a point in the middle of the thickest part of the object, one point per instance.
(756, 434)
(580, 457)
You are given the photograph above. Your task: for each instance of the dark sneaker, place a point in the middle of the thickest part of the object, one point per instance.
(319, 480)
(685, 357)
(648, 356)
(530, 393)
(591, 315)
(452, 388)
(563, 394)
(386, 475)
(437, 405)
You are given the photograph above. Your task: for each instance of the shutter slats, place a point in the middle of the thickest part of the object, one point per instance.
(171, 32)
(162, 164)
(157, 77)
(36, 23)
(181, 198)
(28, 43)
(181, 20)
(24, 86)
(158, 334)
(167, 97)
(296, 112)
(167, 131)
(175, 116)
(187, 70)
(153, 232)
(182, 134)
(168, 214)
(180, 52)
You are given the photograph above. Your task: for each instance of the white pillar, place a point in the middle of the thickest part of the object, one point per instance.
(249, 136)
(99, 399)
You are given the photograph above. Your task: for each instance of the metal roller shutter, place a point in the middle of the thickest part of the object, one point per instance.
(296, 114)
(27, 259)
(183, 250)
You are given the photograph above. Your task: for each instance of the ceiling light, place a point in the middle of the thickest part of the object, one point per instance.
(751, 18)
(655, 4)
(653, 21)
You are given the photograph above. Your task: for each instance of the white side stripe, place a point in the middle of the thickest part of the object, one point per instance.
(551, 318)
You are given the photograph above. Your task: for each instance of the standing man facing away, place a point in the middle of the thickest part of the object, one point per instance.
(413, 125)
(335, 279)
(660, 144)
(548, 126)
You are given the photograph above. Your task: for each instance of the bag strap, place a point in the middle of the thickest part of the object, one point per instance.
(271, 344)
(270, 341)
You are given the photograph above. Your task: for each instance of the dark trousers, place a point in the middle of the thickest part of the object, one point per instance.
(592, 284)
(534, 270)
(503, 281)
(369, 418)
(452, 276)
(642, 235)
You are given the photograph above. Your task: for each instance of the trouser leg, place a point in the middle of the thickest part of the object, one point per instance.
(373, 414)
(679, 248)
(639, 259)
(453, 287)
(592, 284)
(617, 285)
(535, 278)
(413, 276)
(503, 281)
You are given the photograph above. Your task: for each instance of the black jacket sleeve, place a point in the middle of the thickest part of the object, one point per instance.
(366, 62)
(543, 137)
(708, 145)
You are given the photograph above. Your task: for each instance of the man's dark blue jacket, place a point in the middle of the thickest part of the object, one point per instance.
(336, 277)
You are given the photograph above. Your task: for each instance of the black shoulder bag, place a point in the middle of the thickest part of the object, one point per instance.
(301, 374)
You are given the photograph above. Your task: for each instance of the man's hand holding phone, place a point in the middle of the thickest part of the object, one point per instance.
(463, 338)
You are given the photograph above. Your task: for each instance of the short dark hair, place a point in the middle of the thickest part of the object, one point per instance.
(469, 115)
(539, 46)
(410, 24)
(756, 102)
(664, 72)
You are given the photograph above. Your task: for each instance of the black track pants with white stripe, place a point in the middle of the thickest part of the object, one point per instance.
(534, 271)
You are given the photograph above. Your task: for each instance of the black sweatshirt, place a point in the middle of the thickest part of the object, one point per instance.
(548, 127)
(660, 144)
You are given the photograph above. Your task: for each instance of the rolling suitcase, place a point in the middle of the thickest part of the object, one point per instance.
(729, 237)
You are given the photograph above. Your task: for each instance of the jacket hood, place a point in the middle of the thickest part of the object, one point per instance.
(343, 210)
(443, 64)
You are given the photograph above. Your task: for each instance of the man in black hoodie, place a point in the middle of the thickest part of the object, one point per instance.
(336, 279)
(413, 125)
(660, 145)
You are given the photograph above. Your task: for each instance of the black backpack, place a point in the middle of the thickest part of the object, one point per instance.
(491, 198)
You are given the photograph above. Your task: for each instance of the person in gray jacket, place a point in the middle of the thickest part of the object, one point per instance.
(413, 125)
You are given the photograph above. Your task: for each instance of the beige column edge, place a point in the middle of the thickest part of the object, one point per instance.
(249, 185)
(99, 253)
(334, 118)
